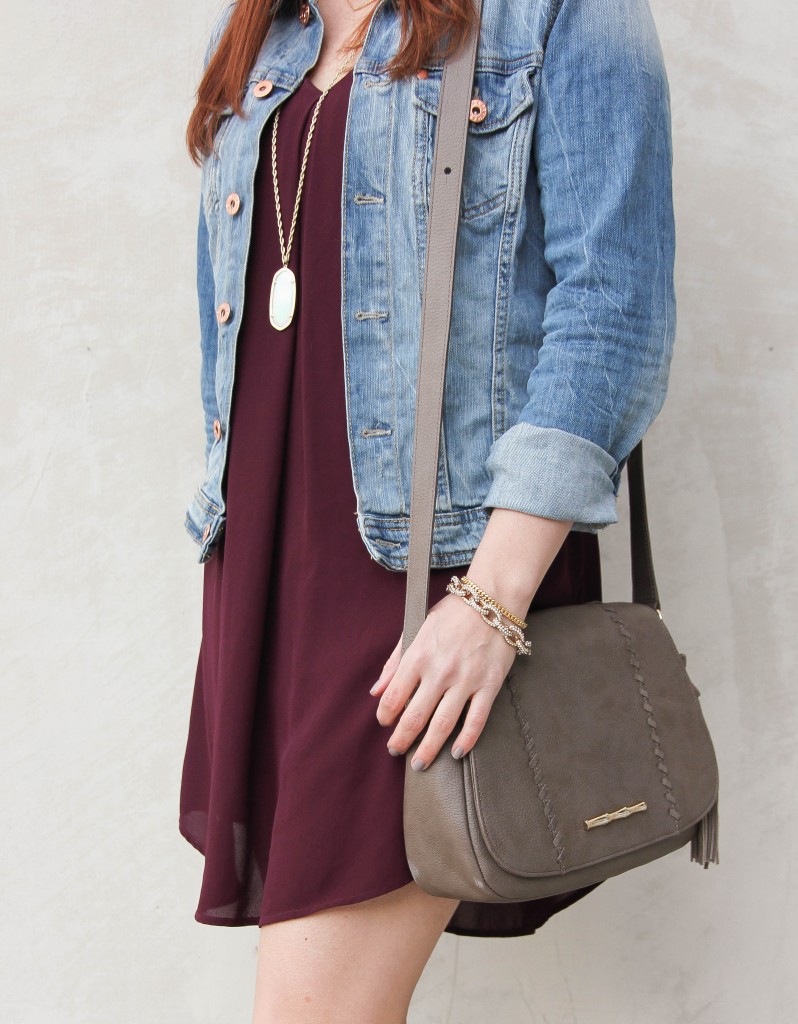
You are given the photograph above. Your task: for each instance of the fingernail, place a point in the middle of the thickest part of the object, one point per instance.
(374, 687)
(457, 752)
(417, 764)
(393, 752)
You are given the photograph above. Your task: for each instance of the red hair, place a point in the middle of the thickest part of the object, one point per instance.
(424, 24)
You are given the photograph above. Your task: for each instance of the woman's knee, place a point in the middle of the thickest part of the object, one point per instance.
(354, 963)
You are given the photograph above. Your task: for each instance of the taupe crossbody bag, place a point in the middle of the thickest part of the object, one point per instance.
(595, 757)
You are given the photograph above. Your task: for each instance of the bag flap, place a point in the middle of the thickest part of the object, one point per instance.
(602, 716)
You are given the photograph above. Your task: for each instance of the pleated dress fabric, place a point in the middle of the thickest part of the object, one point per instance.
(287, 786)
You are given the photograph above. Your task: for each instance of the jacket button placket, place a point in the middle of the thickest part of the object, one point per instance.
(238, 209)
(368, 305)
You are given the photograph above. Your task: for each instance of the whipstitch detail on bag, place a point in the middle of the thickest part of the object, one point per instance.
(534, 763)
(634, 660)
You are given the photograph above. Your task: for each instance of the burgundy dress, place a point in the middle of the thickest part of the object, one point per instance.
(287, 785)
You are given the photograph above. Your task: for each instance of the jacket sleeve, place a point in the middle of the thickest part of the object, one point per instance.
(602, 152)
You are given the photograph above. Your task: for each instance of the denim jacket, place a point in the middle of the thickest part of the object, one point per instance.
(563, 312)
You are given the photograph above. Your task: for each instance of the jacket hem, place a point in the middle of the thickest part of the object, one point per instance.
(455, 536)
(204, 521)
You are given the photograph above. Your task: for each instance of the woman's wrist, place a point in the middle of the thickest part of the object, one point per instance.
(514, 555)
(494, 614)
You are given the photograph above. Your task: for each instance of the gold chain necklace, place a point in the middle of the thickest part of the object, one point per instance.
(282, 298)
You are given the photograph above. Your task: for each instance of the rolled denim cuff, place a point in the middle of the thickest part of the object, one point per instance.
(549, 472)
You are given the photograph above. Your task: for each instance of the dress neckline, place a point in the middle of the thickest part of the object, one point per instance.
(318, 91)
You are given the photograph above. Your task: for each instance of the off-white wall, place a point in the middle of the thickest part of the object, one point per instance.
(101, 591)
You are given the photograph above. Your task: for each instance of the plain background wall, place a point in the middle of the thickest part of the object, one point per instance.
(101, 592)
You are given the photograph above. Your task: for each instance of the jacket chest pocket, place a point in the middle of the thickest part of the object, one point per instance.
(499, 127)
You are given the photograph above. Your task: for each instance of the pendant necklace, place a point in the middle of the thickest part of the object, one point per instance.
(282, 298)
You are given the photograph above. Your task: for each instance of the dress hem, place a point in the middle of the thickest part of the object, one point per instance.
(283, 915)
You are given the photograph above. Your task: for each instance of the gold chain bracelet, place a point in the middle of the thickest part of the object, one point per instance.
(507, 614)
(489, 610)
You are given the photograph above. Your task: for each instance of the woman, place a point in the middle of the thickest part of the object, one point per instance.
(315, 126)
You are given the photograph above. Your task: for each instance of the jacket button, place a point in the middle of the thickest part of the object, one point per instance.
(217, 429)
(478, 112)
(422, 73)
(233, 204)
(206, 531)
(304, 13)
(223, 313)
(263, 88)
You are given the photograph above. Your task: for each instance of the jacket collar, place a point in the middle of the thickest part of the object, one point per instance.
(291, 48)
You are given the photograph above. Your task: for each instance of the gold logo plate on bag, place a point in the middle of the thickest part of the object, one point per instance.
(623, 812)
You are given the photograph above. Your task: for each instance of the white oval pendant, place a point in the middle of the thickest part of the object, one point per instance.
(282, 299)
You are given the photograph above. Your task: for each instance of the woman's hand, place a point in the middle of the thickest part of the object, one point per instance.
(456, 656)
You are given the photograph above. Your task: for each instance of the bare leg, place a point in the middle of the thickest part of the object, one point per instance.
(356, 964)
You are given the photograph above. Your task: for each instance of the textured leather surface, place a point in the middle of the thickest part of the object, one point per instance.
(603, 714)
(611, 666)
(601, 717)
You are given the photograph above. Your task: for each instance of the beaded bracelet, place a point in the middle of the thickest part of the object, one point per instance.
(490, 612)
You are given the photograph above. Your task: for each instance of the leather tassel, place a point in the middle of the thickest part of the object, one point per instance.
(704, 844)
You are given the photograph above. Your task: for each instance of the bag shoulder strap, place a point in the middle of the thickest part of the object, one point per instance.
(444, 207)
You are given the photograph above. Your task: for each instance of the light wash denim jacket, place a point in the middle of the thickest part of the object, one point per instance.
(563, 312)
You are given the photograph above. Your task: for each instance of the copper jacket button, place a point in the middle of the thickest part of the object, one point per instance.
(233, 204)
(304, 13)
(422, 73)
(263, 88)
(223, 313)
(479, 111)
(206, 531)
(217, 429)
